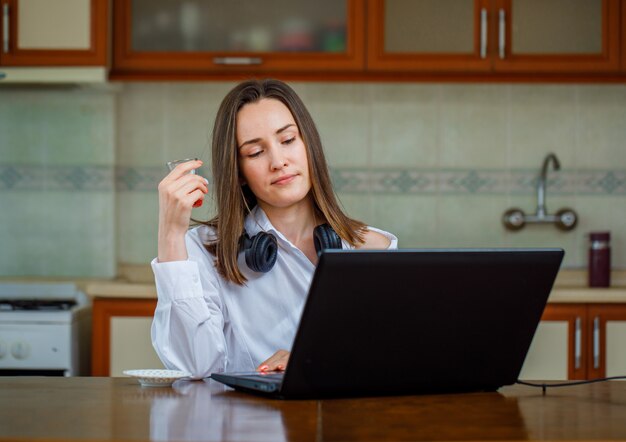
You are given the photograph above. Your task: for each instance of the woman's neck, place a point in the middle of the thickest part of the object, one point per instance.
(295, 222)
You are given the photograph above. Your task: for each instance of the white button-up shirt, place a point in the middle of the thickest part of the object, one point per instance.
(205, 324)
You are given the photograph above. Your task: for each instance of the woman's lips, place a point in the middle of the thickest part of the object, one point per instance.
(284, 179)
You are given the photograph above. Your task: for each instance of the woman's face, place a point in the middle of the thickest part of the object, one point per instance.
(272, 155)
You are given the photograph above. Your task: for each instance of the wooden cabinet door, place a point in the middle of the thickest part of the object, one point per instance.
(131, 345)
(607, 346)
(557, 36)
(429, 35)
(243, 37)
(53, 33)
(623, 29)
(107, 330)
(548, 358)
(558, 350)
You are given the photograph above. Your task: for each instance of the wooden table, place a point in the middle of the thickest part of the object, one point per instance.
(92, 408)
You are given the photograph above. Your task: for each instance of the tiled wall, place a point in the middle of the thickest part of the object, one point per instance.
(437, 164)
(57, 189)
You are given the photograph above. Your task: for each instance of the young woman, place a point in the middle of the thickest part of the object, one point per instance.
(231, 291)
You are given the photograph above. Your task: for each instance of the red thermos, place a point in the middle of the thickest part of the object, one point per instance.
(599, 259)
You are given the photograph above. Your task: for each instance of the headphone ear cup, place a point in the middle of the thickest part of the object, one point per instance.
(324, 237)
(260, 251)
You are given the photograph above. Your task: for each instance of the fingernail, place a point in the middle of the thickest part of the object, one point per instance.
(206, 181)
(264, 368)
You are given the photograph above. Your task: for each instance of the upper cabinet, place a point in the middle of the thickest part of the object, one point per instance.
(193, 36)
(557, 35)
(623, 28)
(53, 32)
(549, 36)
(429, 35)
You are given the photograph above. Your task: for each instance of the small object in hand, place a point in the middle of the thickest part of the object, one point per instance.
(172, 164)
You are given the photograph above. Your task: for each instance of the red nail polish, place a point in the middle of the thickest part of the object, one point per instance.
(197, 203)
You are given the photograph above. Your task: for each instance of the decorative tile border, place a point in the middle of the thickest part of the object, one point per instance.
(346, 180)
(138, 178)
(62, 178)
(458, 181)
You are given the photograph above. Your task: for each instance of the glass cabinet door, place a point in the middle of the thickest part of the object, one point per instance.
(422, 35)
(58, 33)
(209, 34)
(558, 35)
(555, 36)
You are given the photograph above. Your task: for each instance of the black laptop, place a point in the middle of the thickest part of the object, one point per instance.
(388, 322)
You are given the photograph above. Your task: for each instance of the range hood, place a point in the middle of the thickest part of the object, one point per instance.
(52, 75)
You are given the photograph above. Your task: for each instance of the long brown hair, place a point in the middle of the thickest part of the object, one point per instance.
(234, 201)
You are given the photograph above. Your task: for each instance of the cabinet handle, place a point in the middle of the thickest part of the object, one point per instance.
(502, 34)
(483, 33)
(577, 343)
(237, 60)
(596, 342)
(5, 28)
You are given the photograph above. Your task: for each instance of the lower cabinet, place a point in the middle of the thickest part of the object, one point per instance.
(578, 341)
(573, 341)
(121, 336)
(608, 326)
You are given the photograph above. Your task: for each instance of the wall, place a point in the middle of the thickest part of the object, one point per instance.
(437, 164)
(57, 188)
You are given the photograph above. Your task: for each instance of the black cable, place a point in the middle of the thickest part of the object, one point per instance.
(569, 384)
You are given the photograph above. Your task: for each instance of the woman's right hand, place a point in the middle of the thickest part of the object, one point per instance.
(178, 192)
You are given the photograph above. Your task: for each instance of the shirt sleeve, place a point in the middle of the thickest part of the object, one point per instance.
(188, 326)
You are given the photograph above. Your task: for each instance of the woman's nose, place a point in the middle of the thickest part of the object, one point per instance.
(278, 160)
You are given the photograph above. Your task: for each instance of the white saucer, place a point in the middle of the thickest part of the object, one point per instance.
(156, 378)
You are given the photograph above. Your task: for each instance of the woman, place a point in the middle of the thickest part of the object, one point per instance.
(231, 291)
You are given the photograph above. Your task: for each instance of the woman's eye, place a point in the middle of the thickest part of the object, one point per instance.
(255, 154)
(289, 141)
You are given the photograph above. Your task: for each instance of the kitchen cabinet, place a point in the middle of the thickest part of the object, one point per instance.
(578, 341)
(501, 36)
(121, 336)
(53, 33)
(574, 340)
(607, 335)
(208, 36)
(370, 39)
(623, 29)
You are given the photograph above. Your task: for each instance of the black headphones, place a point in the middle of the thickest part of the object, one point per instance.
(261, 250)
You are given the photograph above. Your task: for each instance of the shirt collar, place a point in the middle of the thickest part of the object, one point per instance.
(257, 221)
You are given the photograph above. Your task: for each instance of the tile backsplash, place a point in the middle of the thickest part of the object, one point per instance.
(437, 164)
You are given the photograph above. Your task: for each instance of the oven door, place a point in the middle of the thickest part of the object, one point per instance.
(36, 349)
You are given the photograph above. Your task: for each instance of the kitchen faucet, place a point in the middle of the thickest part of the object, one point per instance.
(564, 219)
(543, 181)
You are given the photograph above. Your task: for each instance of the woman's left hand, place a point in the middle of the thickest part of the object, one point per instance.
(277, 362)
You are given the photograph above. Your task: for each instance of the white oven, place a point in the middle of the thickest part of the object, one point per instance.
(45, 329)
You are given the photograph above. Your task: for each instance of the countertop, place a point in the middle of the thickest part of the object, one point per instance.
(137, 282)
(570, 287)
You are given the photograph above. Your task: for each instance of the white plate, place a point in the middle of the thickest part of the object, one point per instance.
(156, 378)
